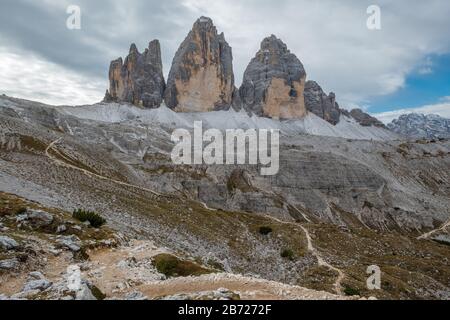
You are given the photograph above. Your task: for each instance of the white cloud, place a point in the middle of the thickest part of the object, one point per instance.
(330, 38)
(333, 42)
(442, 109)
(31, 77)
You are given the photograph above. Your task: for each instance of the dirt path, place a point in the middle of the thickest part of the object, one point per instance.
(320, 260)
(247, 288)
(60, 163)
(116, 278)
(429, 234)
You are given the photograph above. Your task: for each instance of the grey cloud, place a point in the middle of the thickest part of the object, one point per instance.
(330, 37)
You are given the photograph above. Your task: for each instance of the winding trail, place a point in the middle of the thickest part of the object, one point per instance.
(429, 234)
(60, 163)
(320, 260)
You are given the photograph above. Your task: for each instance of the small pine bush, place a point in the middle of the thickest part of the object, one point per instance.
(351, 291)
(172, 266)
(94, 219)
(265, 230)
(21, 210)
(287, 254)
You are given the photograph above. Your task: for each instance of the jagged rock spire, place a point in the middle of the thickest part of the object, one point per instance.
(274, 82)
(321, 104)
(201, 77)
(139, 80)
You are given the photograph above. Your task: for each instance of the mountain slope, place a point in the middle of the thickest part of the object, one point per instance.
(337, 206)
(222, 120)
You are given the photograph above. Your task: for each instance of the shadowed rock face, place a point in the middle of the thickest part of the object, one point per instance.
(139, 80)
(274, 82)
(326, 107)
(365, 120)
(321, 104)
(201, 78)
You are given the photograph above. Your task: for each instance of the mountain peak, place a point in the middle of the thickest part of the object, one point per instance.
(421, 126)
(201, 77)
(274, 82)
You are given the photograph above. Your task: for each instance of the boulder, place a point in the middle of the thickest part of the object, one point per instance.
(139, 80)
(85, 294)
(41, 285)
(274, 82)
(36, 275)
(61, 228)
(73, 243)
(7, 243)
(9, 264)
(201, 78)
(39, 218)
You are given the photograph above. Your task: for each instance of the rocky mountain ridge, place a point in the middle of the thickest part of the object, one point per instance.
(420, 126)
(201, 79)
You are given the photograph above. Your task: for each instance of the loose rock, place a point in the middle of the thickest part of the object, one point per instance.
(7, 243)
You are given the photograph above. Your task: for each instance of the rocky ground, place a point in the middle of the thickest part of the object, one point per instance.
(337, 207)
(41, 246)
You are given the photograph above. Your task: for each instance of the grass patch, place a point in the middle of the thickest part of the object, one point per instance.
(265, 230)
(94, 219)
(349, 291)
(287, 254)
(172, 266)
(21, 210)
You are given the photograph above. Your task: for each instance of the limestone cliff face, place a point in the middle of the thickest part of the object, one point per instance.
(139, 80)
(201, 78)
(274, 82)
(321, 104)
(365, 119)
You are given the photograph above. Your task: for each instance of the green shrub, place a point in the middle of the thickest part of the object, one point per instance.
(97, 293)
(265, 230)
(349, 291)
(21, 210)
(94, 219)
(287, 254)
(172, 266)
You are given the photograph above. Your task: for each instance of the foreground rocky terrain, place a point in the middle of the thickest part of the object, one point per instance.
(337, 206)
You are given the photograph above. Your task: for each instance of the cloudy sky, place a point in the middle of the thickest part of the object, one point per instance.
(404, 66)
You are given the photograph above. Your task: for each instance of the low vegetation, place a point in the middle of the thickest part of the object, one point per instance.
(265, 230)
(94, 219)
(349, 291)
(287, 254)
(172, 266)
